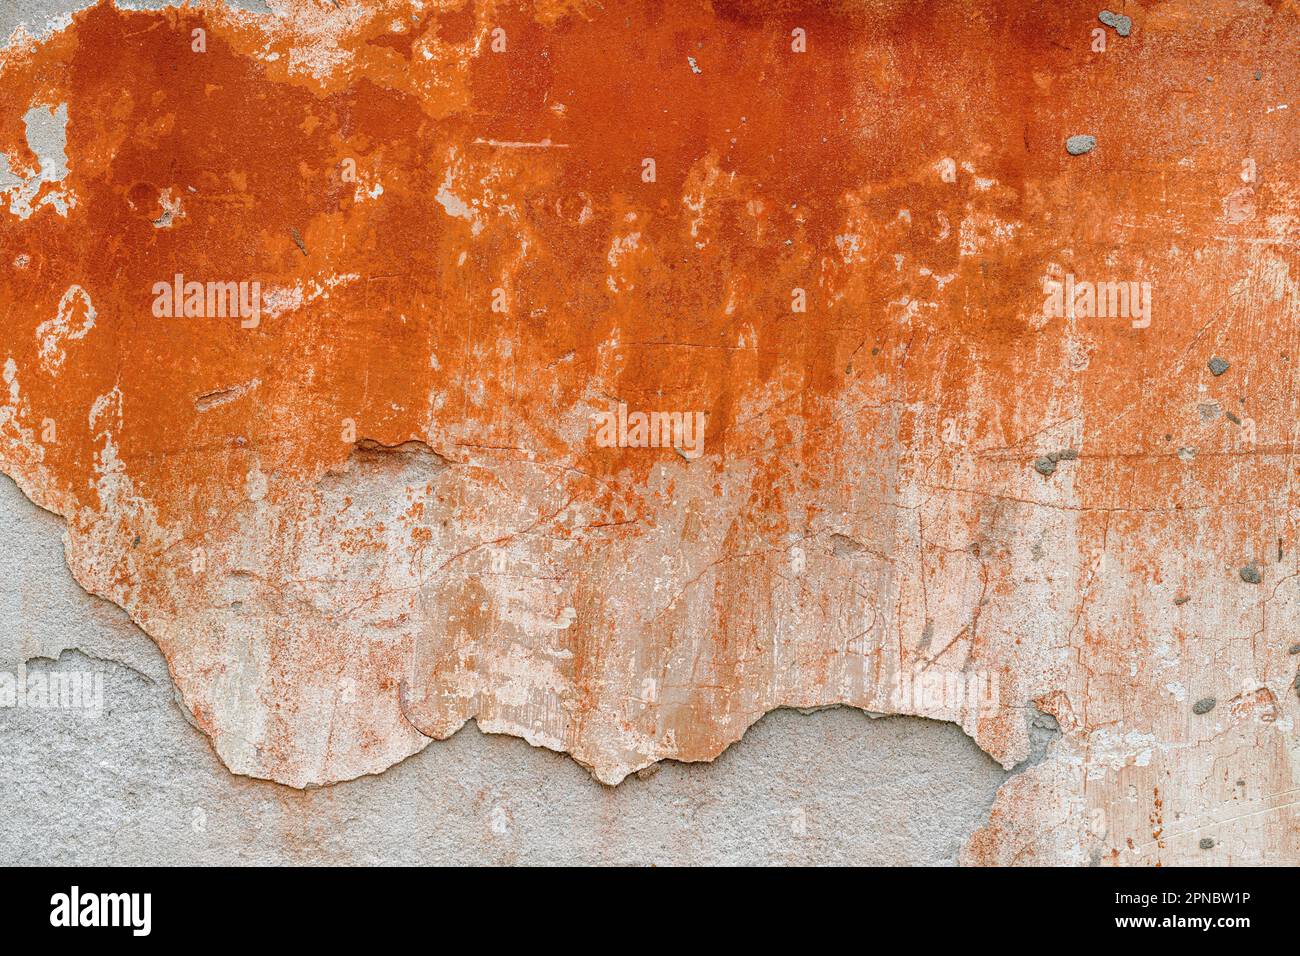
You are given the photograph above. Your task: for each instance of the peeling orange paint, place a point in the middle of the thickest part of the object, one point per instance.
(378, 507)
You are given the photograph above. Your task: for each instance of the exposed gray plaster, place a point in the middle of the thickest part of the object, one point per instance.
(140, 785)
(40, 17)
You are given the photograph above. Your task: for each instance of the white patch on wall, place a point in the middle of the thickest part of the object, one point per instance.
(53, 333)
(619, 248)
(284, 299)
(11, 380)
(982, 183)
(47, 138)
(171, 206)
(453, 204)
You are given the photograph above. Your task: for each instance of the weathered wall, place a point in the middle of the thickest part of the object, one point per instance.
(375, 504)
(137, 784)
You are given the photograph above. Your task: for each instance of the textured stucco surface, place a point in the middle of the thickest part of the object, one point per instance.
(380, 510)
(138, 785)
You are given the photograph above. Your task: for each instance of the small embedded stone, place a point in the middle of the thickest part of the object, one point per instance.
(1045, 466)
(1078, 145)
(1181, 600)
(1121, 24)
(1207, 843)
(1204, 705)
(1218, 366)
(1053, 457)
(1250, 574)
(1293, 649)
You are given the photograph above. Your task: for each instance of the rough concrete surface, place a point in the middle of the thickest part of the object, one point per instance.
(138, 785)
(612, 375)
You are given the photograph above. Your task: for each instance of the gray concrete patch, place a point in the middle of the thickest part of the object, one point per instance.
(138, 784)
(40, 17)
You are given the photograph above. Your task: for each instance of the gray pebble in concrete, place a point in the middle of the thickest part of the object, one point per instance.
(1121, 24)
(1078, 145)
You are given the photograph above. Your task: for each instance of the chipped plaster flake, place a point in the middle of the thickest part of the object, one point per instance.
(978, 231)
(282, 300)
(224, 396)
(25, 34)
(519, 144)
(74, 319)
(454, 206)
(368, 190)
(11, 380)
(980, 182)
(316, 35)
(47, 135)
(14, 412)
(171, 210)
(939, 280)
(849, 246)
(621, 248)
(101, 407)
